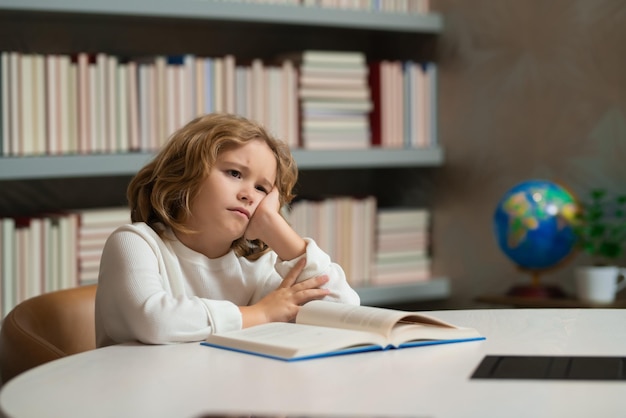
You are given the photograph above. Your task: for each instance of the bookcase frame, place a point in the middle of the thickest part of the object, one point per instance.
(212, 28)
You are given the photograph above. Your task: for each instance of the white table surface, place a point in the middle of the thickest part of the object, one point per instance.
(190, 380)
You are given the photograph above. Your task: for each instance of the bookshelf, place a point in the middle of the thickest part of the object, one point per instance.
(213, 28)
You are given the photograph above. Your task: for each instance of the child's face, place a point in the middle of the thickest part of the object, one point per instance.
(230, 194)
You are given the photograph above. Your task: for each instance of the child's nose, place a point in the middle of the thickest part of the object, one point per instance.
(246, 194)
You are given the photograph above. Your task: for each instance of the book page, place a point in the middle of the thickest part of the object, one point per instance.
(366, 318)
(404, 334)
(340, 315)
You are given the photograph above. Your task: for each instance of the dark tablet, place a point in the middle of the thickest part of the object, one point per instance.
(551, 368)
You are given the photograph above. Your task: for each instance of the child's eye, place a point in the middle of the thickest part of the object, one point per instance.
(234, 173)
(262, 189)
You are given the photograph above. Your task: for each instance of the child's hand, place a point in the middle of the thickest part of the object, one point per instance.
(265, 213)
(268, 225)
(283, 304)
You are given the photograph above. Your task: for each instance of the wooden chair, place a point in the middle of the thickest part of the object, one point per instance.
(47, 327)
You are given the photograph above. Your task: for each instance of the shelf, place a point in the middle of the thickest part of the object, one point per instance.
(102, 165)
(237, 12)
(434, 289)
(25, 168)
(370, 158)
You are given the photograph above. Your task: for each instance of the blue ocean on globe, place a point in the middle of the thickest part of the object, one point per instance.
(534, 224)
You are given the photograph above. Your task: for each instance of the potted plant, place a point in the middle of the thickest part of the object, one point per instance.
(600, 229)
(601, 226)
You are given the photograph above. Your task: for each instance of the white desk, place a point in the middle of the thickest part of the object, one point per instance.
(191, 380)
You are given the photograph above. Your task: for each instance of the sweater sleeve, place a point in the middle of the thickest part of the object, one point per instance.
(319, 263)
(137, 301)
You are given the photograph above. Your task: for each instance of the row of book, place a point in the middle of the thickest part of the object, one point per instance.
(59, 104)
(389, 6)
(52, 252)
(375, 247)
(63, 250)
(99, 103)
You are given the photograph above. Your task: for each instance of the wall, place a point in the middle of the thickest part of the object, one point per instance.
(528, 89)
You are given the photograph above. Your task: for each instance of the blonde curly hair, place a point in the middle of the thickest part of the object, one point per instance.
(162, 191)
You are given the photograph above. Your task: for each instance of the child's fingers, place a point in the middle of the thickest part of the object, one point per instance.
(310, 289)
(311, 294)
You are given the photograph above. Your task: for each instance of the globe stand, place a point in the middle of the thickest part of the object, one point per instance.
(536, 290)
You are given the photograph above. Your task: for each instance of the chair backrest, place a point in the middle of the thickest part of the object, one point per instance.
(47, 327)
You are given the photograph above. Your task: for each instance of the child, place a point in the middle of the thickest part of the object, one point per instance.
(208, 250)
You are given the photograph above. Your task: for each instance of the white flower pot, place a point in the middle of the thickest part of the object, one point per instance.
(599, 285)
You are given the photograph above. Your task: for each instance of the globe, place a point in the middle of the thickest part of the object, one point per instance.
(533, 224)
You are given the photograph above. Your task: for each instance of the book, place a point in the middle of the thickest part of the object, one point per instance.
(72, 108)
(98, 103)
(15, 146)
(63, 110)
(84, 110)
(431, 70)
(324, 329)
(39, 105)
(52, 100)
(4, 104)
(7, 268)
(324, 59)
(333, 93)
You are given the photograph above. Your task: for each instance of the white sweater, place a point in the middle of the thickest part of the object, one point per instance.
(159, 291)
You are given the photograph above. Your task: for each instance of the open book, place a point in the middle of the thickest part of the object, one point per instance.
(327, 328)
